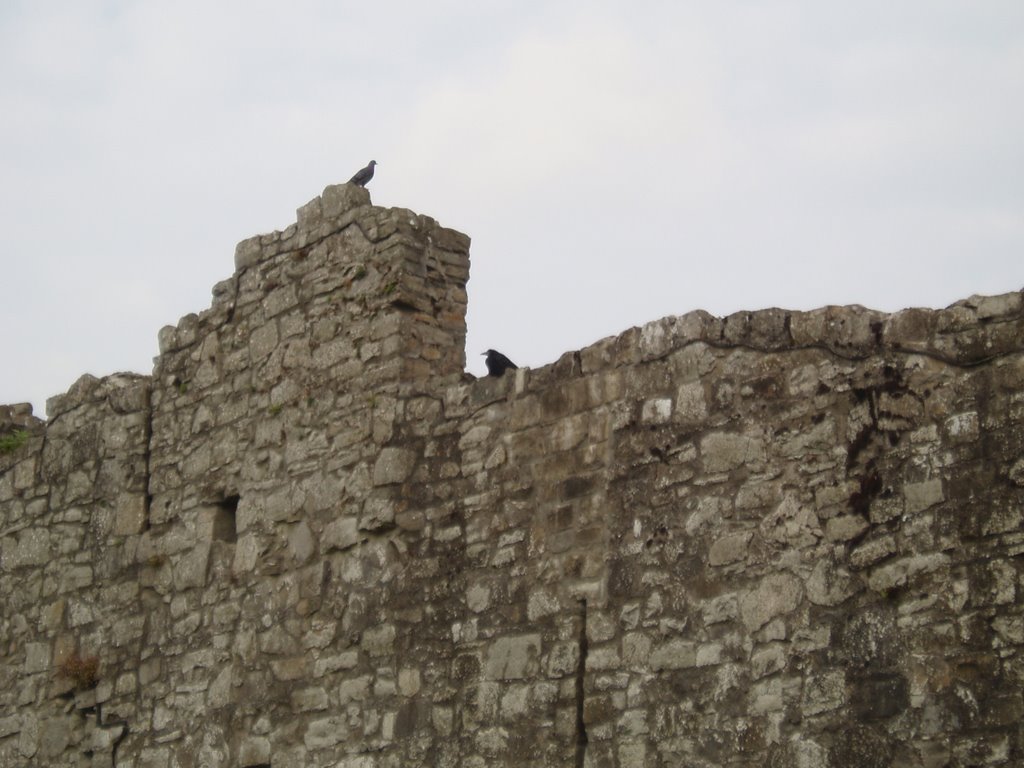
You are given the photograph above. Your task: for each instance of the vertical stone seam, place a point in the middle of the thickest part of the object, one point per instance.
(581, 674)
(147, 496)
(112, 724)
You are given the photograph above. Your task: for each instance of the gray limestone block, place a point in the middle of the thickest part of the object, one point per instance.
(378, 514)
(674, 654)
(28, 738)
(310, 699)
(769, 329)
(37, 657)
(512, 657)
(28, 547)
(724, 451)
(823, 693)
(325, 732)
(379, 640)
(910, 328)
(338, 199)
(729, 549)
(130, 516)
(309, 216)
(897, 573)
(394, 465)
(263, 341)
(1004, 305)
(54, 736)
(845, 527)
(340, 534)
(301, 544)
(248, 252)
(77, 394)
(776, 595)
(254, 751)
(9, 725)
(691, 403)
(920, 496)
(190, 568)
(829, 584)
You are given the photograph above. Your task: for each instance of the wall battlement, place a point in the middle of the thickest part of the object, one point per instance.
(308, 539)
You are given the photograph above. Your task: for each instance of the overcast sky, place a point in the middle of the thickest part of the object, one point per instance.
(613, 162)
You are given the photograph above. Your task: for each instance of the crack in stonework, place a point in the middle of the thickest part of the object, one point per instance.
(147, 492)
(116, 742)
(581, 673)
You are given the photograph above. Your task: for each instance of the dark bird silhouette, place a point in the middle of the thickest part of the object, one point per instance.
(497, 363)
(363, 175)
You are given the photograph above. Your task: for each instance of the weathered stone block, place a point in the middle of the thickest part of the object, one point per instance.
(767, 661)
(325, 732)
(190, 568)
(254, 751)
(378, 515)
(37, 657)
(9, 725)
(776, 595)
(891, 575)
(729, 549)
(829, 584)
(300, 542)
(674, 654)
(512, 658)
(342, 198)
(478, 597)
(379, 640)
(724, 451)
(326, 665)
(393, 465)
(290, 669)
(247, 253)
(845, 527)
(340, 534)
(131, 514)
(29, 547)
(541, 603)
(691, 405)
(823, 693)
(657, 410)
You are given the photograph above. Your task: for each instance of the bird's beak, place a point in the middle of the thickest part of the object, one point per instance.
(483, 353)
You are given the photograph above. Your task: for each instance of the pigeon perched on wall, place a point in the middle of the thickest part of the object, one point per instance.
(497, 363)
(363, 175)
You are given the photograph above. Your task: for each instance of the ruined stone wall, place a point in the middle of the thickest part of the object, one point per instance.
(778, 538)
(72, 503)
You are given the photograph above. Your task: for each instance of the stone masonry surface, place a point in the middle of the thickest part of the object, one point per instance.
(776, 539)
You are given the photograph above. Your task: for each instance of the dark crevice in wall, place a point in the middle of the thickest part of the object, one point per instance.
(147, 502)
(581, 674)
(115, 743)
(404, 306)
(225, 527)
(865, 454)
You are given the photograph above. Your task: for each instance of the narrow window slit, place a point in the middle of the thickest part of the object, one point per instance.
(224, 523)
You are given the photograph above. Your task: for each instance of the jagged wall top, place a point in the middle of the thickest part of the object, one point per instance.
(778, 538)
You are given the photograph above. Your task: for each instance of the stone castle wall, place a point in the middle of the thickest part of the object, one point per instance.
(774, 539)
